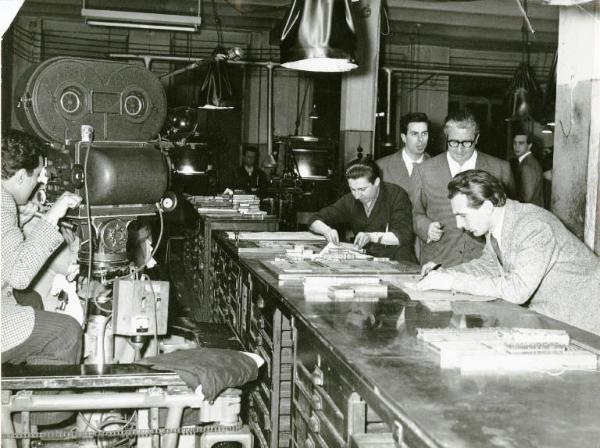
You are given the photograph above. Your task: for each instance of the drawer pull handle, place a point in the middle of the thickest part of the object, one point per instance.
(317, 401)
(317, 377)
(314, 423)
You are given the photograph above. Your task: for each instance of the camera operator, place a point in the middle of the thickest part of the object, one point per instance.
(29, 335)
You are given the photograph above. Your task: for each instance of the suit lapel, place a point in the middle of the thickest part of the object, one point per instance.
(508, 227)
(400, 166)
(482, 162)
(444, 168)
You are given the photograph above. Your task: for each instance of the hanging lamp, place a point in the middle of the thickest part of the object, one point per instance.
(216, 92)
(318, 36)
(524, 93)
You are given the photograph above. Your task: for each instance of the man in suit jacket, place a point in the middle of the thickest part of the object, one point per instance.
(530, 258)
(397, 168)
(30, 335)
(529, 174)
(433, 221)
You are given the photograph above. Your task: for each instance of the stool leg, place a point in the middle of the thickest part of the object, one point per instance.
(25, 427)
(8, 428)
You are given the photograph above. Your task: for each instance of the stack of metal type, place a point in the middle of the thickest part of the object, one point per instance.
(247, 204)
(494, 350)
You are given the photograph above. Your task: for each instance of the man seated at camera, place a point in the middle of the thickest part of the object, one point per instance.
(529, 258)
(378, 213)
(29, 334)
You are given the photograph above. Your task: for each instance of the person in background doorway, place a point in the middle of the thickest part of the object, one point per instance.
(530, 258)
(433, 221)
(378, 213)
(529, 175)
(397, 168)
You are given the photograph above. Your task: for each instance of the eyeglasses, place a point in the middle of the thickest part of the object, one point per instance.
(456, 143)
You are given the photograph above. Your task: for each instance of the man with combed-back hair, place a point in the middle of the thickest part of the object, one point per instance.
(377, 212)
(530, 258)
(398, 168)
(29, 335)
(433, 222)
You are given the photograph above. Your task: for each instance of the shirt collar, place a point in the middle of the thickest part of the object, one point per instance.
(410, 162)
(455, 168)
(523, 156)
(497, 230)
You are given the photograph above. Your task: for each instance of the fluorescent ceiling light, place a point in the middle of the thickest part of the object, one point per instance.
(144, 20)
(146, 26)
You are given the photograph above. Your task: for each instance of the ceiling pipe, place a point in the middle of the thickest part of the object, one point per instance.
(438, 71)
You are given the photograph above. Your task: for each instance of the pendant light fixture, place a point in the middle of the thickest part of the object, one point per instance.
(318, 36)
(216, 92)
(524, 93)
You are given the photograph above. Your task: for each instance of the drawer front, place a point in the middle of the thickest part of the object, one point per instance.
(320, 395)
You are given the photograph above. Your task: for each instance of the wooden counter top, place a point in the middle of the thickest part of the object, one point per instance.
(401, 379)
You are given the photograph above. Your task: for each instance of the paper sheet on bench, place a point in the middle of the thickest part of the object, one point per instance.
(408, 282)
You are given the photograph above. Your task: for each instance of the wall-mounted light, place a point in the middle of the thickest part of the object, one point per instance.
(118, 17)
(547, 129)
(314, 113)
(144, 26)
(318, 36)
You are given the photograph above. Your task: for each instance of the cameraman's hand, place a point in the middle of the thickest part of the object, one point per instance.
(27, 212)
(66, 201)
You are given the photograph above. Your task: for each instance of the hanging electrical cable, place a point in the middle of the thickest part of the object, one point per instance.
(216, 92)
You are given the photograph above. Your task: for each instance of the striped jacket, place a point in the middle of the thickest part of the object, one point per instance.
(22, 258)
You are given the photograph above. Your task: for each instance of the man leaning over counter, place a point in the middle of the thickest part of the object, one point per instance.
(378, 213)
(529, 258)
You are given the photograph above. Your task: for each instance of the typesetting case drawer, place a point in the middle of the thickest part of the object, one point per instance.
(320, 397)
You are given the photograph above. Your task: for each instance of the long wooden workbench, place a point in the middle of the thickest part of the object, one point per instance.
(340, 374)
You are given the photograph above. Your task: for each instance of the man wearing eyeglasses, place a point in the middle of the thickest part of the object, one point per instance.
(378, 213)
(433, 221)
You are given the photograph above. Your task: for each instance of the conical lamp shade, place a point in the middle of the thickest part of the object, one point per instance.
(318, 36)
(216, 92)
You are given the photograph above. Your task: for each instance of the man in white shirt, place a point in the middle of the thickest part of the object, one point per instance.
(529, 174)
(433, 221)
(397, 168)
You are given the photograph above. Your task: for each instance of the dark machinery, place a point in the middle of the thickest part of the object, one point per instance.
(99, 117)
(119, 174)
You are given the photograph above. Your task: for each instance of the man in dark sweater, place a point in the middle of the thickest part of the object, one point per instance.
(248, 177)
(379, 214)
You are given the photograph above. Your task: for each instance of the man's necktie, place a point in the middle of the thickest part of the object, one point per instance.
(496, 247)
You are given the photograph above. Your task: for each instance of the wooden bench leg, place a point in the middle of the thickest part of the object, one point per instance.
(7, 424)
